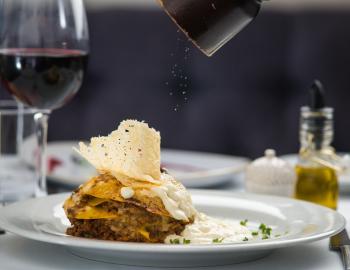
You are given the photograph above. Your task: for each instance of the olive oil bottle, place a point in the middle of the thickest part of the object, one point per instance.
(316, 171)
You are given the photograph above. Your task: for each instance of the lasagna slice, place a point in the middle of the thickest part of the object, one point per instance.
(130, 200)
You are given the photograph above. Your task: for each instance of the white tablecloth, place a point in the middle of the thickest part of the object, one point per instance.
(17, 253)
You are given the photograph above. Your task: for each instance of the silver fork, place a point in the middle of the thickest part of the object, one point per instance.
(341, 242)
(1, 230)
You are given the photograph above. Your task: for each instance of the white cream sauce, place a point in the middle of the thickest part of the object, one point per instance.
(176, 199)
(127, 192)
(209, 230)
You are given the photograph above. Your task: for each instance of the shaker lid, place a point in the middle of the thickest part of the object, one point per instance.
(269, 159)
(270, 153)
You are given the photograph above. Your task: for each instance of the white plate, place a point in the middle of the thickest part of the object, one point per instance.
(344, 179)
(298, 222)
(193, 169)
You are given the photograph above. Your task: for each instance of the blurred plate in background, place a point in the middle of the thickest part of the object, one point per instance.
(198, 169)
(193, 169)
(344, 179)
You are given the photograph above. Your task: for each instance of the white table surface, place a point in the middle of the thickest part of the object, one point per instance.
(17, 253)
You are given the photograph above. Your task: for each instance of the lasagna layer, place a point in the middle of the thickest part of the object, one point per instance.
(127, 222)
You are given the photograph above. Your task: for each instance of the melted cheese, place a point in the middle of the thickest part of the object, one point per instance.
(109, 190)
(144, 233)
(96, 201)
(89, 212)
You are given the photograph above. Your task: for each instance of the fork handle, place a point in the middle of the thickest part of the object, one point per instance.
(345, 251)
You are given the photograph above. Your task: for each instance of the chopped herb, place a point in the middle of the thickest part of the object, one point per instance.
(277, 235)
(244, 222)
(268, 231)
(262, 227)
(255, 233)
(245, 239)
(218, 240)
(186, 241)
(265, 231)
(175, 241)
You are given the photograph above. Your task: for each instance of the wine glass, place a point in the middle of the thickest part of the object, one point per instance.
(44, 47)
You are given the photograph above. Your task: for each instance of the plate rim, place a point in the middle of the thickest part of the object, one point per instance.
(73, 242)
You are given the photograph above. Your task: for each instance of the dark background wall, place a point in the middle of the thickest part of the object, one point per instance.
(241, 101)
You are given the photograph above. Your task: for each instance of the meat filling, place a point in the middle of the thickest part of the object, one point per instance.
(132, 224)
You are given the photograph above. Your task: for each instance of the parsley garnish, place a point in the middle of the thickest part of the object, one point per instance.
(244, 222)
(175, 241)
(186, 241)
(266, 231)
(218, 240)
(255, 233)
(245, 239)
(262, 227)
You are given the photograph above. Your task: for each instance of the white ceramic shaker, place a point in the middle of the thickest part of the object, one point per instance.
(270, 175)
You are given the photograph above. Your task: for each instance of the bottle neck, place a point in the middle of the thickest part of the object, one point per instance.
(316, 129)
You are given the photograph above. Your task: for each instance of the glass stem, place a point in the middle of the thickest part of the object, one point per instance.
(41, 123)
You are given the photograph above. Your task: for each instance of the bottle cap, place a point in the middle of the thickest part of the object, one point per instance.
(316, 121)
(317, 96)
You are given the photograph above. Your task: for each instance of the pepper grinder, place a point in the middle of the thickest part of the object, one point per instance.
(210, 24)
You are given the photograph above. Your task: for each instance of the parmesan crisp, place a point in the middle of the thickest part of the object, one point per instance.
(130, 153)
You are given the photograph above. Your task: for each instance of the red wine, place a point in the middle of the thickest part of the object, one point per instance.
(42, 78)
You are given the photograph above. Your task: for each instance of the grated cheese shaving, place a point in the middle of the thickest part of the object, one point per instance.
(132, 151)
